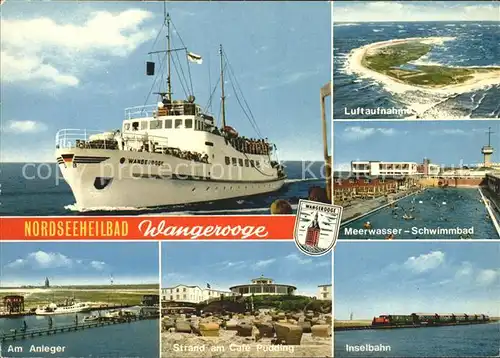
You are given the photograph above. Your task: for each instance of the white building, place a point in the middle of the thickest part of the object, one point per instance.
(377, 168)
(192, 294)
(263, 286)
(433, 169)
(324, 292)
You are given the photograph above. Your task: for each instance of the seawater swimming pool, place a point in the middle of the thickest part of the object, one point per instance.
(451, 213)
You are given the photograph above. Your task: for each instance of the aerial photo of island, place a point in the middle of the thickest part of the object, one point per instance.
(131, 124)
(79, 299)
(418, 180)
(416, 60)
(417, 299)
(242, 299)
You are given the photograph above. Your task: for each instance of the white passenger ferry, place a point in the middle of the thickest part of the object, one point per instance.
(53, 309)
(170, 153)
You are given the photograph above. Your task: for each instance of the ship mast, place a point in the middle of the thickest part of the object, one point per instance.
(222, 97)
(169, 82)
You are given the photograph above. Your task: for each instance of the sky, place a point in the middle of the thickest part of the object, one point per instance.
(414, 11)
(443, 142)
(376, 278)
(78, 263)
(226, 264)
(79, 64)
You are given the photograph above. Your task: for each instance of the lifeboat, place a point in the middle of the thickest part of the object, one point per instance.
(231, 131)
(102, 136)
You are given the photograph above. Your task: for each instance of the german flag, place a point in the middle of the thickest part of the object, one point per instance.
(67, 158)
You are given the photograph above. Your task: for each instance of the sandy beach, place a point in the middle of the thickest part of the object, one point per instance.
(354, 65)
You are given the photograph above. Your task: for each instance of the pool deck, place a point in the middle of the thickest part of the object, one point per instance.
(367, 207)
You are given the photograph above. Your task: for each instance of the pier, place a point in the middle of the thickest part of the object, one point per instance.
(38, 332)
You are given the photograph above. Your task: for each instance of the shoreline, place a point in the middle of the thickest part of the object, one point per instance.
(355, 58)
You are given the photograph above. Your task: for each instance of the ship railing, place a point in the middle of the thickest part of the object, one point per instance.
(82, 138)
(141, 111)
(70, 137)
(176, 108)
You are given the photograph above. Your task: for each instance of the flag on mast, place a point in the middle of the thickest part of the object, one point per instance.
(195, 58)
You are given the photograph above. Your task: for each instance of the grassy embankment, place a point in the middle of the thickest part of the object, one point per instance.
(112, 295)
(388, 59)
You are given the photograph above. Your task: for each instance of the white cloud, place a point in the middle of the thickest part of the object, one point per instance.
(50, 260)
(235, 264)
(23, 127)
(386, 11)
(263, 263)
(360, 133)
(55, 54)
(425, 262)
(450, 132)
(41, 259)
(299, 260)
(487, 277)
(465, 270)
(98, 265)
(174, 278)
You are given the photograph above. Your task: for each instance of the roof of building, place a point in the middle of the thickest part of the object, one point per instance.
(193, 286)
(262, 284)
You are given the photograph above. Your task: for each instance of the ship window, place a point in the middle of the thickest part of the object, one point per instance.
(210, 144)
(144, 125)
(252, 164)
(240, 162)
(168, 123)
(246, 163)
(196, 125)
(126, 126)
(178, 123)
(234, 161)
(228, 161)
(188, 123)
(156, 124)
(135, 126)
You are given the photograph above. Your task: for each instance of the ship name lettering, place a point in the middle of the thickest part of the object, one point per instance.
(145, 162)
(147, 228)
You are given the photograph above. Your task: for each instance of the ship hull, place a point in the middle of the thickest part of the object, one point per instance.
(113, 179)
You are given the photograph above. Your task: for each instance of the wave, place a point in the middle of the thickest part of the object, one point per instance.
(265, 210)
(287, 181)
(74, 207)
(345, 24)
